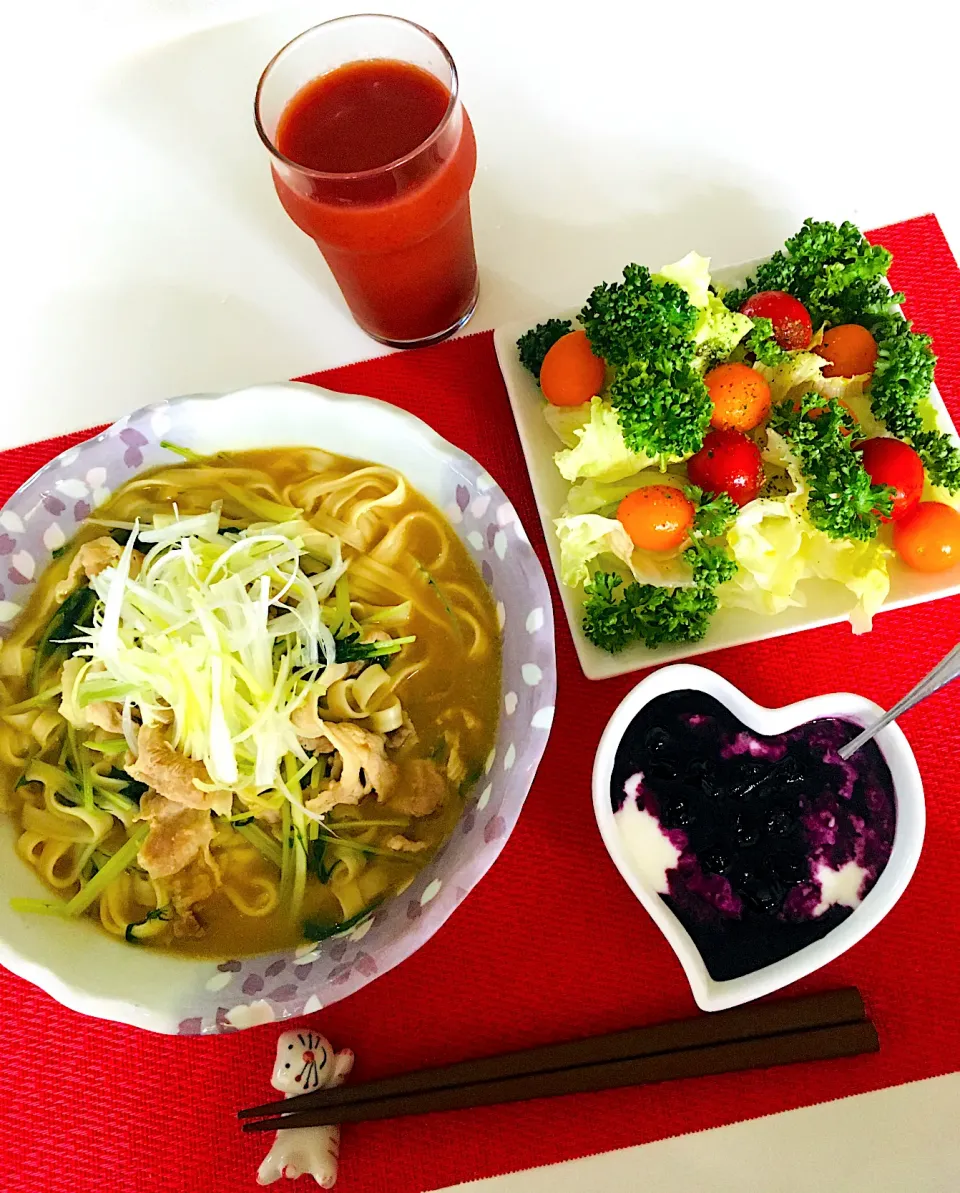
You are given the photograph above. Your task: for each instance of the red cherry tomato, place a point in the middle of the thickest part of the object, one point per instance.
(728, 462)
(570, 373)
(928, 538)
(893, 463)
(791, 322)
(657, 517)
(849, 350)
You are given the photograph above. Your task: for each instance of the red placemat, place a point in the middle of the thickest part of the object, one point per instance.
(551, 945)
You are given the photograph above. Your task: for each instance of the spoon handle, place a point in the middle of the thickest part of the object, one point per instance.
(946, 670)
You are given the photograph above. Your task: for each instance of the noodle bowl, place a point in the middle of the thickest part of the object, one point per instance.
(247, 702)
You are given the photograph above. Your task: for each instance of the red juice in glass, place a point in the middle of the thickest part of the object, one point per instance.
(373, 157)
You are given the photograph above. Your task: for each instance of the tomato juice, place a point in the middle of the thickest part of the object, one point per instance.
(374, 161)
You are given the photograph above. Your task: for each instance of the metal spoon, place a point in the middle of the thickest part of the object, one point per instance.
(945, 671)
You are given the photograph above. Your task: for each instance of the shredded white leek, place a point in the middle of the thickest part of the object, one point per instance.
(228, 632)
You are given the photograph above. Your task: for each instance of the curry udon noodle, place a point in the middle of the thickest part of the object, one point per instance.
(247, 703)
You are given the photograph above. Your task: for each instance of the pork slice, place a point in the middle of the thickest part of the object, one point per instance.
(404, 845)
(91, 559)
(173, 775)
(177, 835)
(190, 886)
(365, 767)
(422, 788)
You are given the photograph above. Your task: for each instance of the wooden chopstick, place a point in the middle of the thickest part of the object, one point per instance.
(712, 1037)
(826, 1009)
(826, 1043)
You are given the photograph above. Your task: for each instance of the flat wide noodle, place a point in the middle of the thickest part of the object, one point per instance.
(260, 715)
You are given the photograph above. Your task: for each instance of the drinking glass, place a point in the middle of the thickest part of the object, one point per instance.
(397, 235)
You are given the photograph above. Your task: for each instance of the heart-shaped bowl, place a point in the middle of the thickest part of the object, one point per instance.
(93, 973)
(710, 994)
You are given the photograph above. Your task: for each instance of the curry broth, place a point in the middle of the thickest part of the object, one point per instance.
(446, 694)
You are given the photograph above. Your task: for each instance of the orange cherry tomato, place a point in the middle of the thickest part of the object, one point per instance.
(657, 517)
(816, 411)
(928, 538)
(570, 373)
(740, 396)
(850, 350)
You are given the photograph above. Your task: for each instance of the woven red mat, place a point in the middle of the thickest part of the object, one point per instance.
(551, 945)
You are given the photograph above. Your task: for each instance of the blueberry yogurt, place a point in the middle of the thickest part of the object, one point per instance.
(759, 845)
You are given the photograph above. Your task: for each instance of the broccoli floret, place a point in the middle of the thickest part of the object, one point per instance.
(842, 501)
(763, 344)
(902, 376)
(638, 318)
(534, 344)
(835, 272)
(714, 516)
(645, 612)
(607, 622)
(902, 380)
(841, 278)
(662, 411)
(645, 328)
(712, 564)
(940, 457)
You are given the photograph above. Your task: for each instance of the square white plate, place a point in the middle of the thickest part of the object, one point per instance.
(826, 601)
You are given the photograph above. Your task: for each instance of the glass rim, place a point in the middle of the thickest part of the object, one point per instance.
(374, 171)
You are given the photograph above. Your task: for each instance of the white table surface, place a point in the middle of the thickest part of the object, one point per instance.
(144, 254)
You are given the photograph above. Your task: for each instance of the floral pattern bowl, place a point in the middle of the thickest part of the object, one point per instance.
(88, 971)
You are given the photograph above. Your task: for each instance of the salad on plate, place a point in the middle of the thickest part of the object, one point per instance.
(722, 446)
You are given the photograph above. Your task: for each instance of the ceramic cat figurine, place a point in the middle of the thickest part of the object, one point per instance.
(306, 1062)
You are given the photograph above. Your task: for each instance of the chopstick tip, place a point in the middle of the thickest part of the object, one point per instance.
(264, 1124)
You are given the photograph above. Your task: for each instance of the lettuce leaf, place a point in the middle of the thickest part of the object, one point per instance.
(585, 537)
(600, 451)
(692, 274)
(800, 372)
(766, 540)
(851, 392)
(776, 547)
(566, 421)
(718, 330)
(860, 566)
(590, 496)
